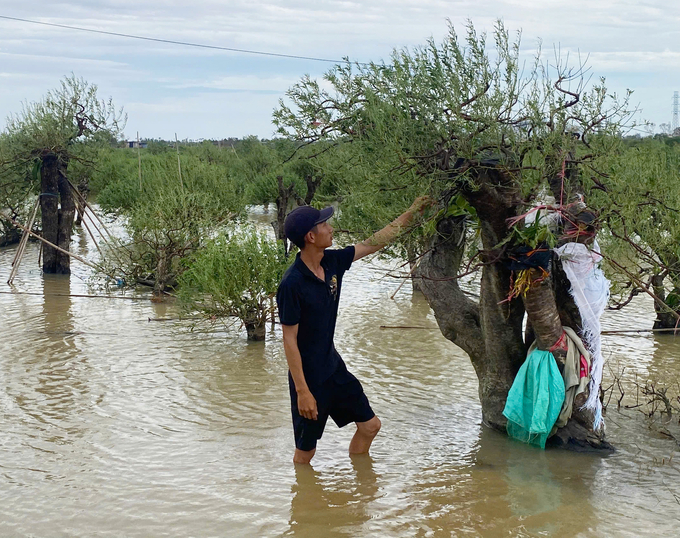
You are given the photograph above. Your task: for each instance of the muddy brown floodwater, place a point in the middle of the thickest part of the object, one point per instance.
(116, 426)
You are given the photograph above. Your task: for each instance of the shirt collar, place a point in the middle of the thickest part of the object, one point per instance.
(306, 271)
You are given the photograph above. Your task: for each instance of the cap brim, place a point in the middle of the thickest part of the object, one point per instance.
(326, 214)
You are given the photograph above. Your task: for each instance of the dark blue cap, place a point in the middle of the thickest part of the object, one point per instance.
(301, 220)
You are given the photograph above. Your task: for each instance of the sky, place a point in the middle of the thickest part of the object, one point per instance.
(199, 93)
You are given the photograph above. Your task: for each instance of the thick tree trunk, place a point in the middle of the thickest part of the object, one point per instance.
(490, 331)
(312, 184)
(285, 194)
(49, 208)
(281, 208)
(544, 316)
(57, 223)
(665, 317)
(256, 331)
(67, 214)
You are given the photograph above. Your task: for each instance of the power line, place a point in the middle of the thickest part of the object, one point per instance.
(173, 42)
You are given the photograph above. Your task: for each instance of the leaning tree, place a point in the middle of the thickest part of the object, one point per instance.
(52, 133)
(491, 136)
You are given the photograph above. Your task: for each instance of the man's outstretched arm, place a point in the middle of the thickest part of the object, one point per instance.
(390, 232)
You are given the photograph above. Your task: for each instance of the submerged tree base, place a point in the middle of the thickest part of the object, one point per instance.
(12, 237)
(576, 438)
(256, 333)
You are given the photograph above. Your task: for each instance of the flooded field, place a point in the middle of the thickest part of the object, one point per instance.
(114, 425)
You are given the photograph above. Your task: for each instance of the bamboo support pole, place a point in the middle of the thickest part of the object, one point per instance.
(73, 295)
(94, 239)
(81, 209)
(59, 249)
(22, 245)
(94, 223)
(409, 277)
(88, 206)
(24, 236)
(139, 161)
(179, 164)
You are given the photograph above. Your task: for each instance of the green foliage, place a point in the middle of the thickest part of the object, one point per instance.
(234, 275)
(116, 179)
(534, 235)
(17, 187)
(437, 118)
(641, 209)
(164, 230)
(70, 122)
(66, 121)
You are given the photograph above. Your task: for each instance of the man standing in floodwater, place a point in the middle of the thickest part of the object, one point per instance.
(308, 297)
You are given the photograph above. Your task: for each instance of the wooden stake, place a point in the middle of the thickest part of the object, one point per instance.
(410, 274)
(24, 236)
(139, 160)
(179, 164)
(88, 206)
(22, 245)
(45, 241)
(623, 331)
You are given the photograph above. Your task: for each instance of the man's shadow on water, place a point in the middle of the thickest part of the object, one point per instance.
(335, 505)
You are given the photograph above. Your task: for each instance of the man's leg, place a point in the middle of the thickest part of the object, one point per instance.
(366, 432)
(303, 456)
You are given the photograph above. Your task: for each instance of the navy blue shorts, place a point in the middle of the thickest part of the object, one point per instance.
(341, 397)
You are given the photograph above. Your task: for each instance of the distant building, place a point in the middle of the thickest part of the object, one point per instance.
(135, 144)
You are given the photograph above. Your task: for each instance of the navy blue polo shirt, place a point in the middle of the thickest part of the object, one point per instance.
(312, 304)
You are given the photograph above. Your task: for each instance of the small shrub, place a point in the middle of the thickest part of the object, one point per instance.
(235, 275)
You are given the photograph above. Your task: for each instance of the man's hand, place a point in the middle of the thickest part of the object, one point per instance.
(307, 405)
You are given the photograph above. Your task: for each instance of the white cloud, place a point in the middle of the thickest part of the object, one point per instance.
(247, 83)
(631, 43)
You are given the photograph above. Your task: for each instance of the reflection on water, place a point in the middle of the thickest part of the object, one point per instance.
(328, 505)
(115, 425)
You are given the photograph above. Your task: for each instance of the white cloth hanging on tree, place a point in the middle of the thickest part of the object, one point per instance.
(590, 290)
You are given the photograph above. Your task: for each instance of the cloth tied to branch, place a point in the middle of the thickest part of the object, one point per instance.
(535, 399)
(523, 257)
(590, 291)
(541, 400)
(576, 374)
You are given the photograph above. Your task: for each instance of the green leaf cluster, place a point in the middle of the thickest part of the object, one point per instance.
(236, 274)
(434, 118)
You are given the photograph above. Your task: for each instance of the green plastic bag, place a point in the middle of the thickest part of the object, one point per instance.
(535, 399)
